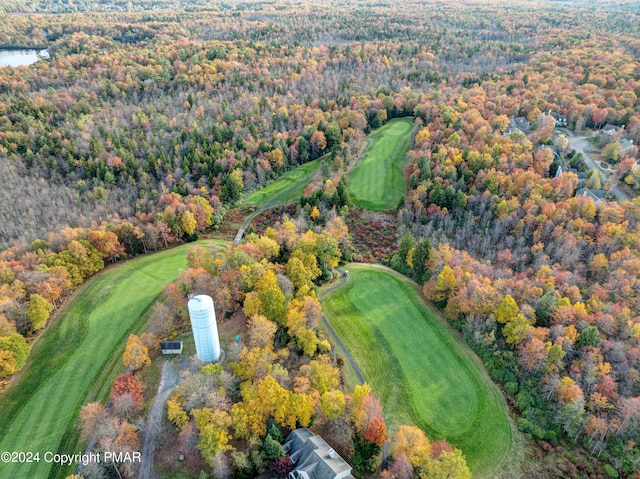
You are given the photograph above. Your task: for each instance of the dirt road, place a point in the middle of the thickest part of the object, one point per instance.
(168, 382)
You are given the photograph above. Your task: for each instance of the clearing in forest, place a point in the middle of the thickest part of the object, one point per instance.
(377, 183)
(67, 361)
(287, 181)
(421, 371)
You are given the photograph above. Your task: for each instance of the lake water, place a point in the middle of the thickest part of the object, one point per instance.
(16, 58)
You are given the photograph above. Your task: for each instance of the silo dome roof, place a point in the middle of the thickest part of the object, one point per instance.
(201, 302)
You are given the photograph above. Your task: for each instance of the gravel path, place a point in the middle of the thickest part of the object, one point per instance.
(168, 382)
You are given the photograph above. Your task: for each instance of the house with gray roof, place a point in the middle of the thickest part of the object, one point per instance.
(610, 129)
(520, 123)
(313, 458)
(556, 150)
(596, 195)
(561, 120)
(562, 169)
(626, 145)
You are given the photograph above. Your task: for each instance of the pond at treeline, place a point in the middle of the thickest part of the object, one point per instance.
(16, 58)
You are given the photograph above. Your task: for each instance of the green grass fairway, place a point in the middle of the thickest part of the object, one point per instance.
(286, 181)
(377, 183)
(420, 370)
(38, 412)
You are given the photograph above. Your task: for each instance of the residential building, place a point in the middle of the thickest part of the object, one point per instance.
(520, 123)
(561, 120)
(610, 129)
(596, 195)
(313, 458)
(627, 147)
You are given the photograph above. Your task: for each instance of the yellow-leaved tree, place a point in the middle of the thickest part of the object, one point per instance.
(136, 355)
(413, 443)
(214, 432)
(267, 399)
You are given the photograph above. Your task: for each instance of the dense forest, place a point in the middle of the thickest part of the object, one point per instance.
(132, 105)
(151, 120)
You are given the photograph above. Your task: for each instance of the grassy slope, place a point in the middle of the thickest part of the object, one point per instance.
(421, 371)
(69, 357)
(377, 182)
(286, 181)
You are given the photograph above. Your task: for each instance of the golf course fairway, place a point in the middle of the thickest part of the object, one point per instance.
(40, 410)
(377, 183)
(282, 184)
(421, 371)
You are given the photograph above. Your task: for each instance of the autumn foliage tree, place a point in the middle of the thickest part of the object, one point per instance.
(38, 311)
(376, 432)
(213, 428)
(281, 467)
(413, 443)
(14, 351)
(130, 385)
(371, 431)
(415, 456)
(136, 354)
(91, 415)
(267, 399)
(176, 414)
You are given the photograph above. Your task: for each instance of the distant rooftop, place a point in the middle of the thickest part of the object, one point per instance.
(610, 129)
(595, 195)
(520, 123)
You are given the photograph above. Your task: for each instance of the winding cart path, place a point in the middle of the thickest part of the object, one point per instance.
(343, 280)
(276, 201)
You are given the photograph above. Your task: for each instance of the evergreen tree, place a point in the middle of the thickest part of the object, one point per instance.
(420, 257)
(342, 193)
(272, 449)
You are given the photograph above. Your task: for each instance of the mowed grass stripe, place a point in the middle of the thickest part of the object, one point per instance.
(420, 370)
(278, 187)
(377, 183)
(41, 408)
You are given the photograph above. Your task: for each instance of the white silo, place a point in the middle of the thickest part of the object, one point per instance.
(205, 330)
